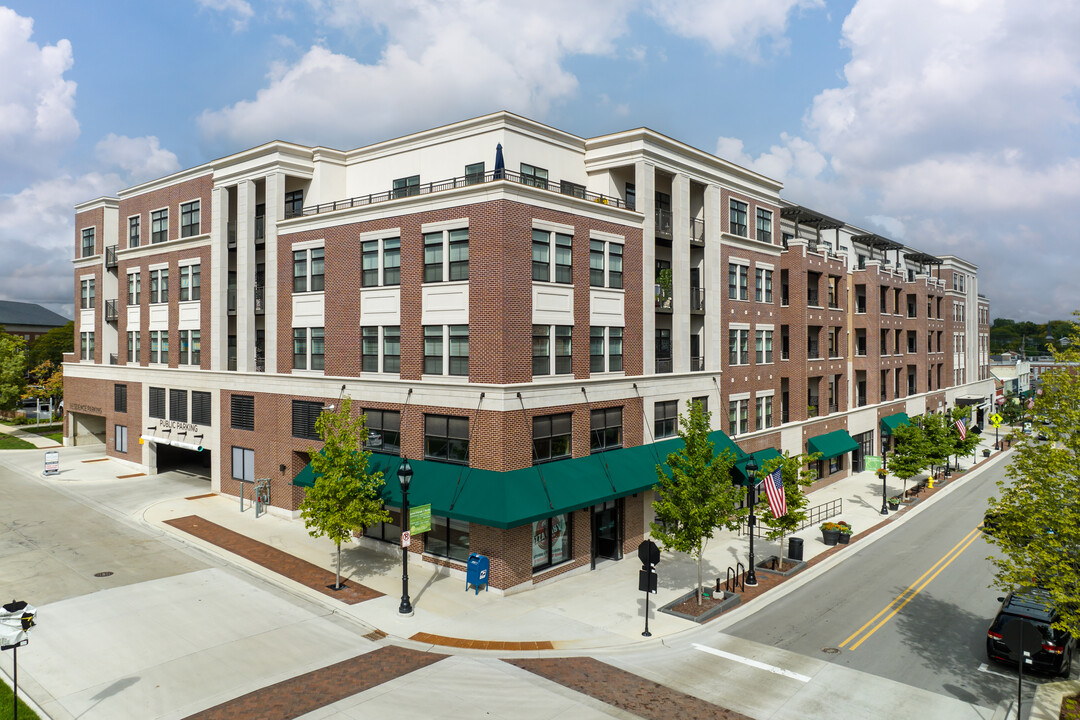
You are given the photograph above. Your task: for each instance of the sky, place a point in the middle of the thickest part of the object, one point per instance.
(952, 126)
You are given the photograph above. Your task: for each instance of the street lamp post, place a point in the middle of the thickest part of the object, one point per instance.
(751, 471)
(404, 475)
(882, 473)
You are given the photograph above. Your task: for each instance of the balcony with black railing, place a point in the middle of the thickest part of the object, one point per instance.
(663, 299)
(260, 299)
(114, 359)
(110, 257)
(697, 300)
(560, 188)
(664, 365)
(697, 231)
(697, 364)
(231, 299)
(111, 313)
(663, 224)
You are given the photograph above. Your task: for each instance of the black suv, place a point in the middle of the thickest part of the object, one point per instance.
(1032, 605)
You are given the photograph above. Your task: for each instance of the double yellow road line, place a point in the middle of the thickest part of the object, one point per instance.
(912, 590)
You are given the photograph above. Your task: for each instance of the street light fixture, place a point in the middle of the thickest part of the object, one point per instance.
(751, 471)
(882, 473)
(404, 475)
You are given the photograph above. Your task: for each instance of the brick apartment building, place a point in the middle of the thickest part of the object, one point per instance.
(521, 312)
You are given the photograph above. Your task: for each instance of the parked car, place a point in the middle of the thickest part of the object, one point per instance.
(1032, 605)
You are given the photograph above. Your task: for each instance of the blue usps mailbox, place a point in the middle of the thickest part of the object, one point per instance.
(476, 572)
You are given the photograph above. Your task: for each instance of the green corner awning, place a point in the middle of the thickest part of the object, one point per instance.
(760, 458)
(889, 423)
(832, 444)
(518, 497)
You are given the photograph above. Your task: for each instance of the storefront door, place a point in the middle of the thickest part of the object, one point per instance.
(607, 531)
(866, 447)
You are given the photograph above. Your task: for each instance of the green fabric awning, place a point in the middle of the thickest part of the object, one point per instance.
(518, 497)
(832, 444)
(889, 423)
(760, 458)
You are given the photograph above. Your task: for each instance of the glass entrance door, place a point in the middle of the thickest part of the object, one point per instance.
(607, 531)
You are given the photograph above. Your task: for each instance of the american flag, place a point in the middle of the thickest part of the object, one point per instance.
(774, 489)
(962, 428)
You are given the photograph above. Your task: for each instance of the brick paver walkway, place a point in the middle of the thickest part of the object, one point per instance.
(504, 645)
(308, 692)
(271, 558)
(624, 690)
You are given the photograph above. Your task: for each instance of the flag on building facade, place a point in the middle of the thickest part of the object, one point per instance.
(962, 428)
(774, 489)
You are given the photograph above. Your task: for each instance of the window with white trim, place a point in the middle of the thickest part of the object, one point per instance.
(134, 293)
(190, 352)
(446, 350)
(87, 242)
(159, 225)
(87, 294)
(665, 418)
(763, 346)
(739, 416)
(764, 225)
(134, 230)
(190, 283)
(159, 346)
(605, 255)
(738, 278)
(763, 285)
(548, 247)
(605, 349)
(309, 355)
(738, 347)
(764, 412)
(86, 346)
(446, 255)
(189, 219)
(309, 270)
(737, 217)
(134, 345)
(159, 286)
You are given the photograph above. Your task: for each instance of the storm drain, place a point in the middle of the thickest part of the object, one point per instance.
(105, 573)
(830, 651)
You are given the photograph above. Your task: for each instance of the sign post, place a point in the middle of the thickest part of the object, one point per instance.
(649, 554)
(995, 420)
(16, 618)
(1025, 636)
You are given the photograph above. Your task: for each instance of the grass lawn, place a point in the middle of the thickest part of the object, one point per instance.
(25, 713)
(7, 442)
(53, 432)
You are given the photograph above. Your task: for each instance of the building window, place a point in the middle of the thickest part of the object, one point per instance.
(615, 266)
(446, 438)
(369, 263)
(474, 173)
(243, 464)
(614, 252)
(178, 405)
(738, 416)
(541, 347)
(189, 347)
(86, 346)
(120, 438)
(391, 261)
(433, 349)
(404, 187)
(318, 349)
(764, 225)
(665, 418)
(134, 345)
(738, 282)
(190, 283)
(242, 412)
(155, 346)
(703, 401)
(457, 254)
(157, 403)
(738, 347)
(834, 342)
(294, 203)
(304, 415)
(459, 350)
(596, 349)
(383, 431)
(134, 296)
(542, 254)
(563, 359)
(738, 218)
(134, 229)
(615, 349)
(159, 226)
(448, 538)
(764, 412)
(605, 429)
(551, 541)
(391, 349)
(763, 346)
(300, 351)
(433, 257)
(120, 398)
(159, 286)
(309, 355)
(189, 219)
(200, 407)
(87, 242)
(836, 464)
(535, 176)
(596, 263)
(369, 349)
(763, 285)
(309, 270)
(87, 294)
(551, 437)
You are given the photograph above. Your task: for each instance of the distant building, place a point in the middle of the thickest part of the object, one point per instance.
(28, 320)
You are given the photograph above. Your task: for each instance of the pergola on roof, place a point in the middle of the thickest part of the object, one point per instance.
(877, 242)
(805, 216)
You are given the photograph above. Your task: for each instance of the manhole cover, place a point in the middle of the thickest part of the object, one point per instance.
(107, 573)
(830, 651)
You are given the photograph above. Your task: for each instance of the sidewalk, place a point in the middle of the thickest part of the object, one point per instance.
(36, 440)
(596, 609)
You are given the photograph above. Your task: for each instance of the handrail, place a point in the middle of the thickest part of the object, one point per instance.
(813, 516)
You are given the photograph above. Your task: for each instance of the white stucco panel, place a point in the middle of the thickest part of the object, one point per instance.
(86, 320)
(308, 310)
(380, 306)
(134, 316)
(159, 316)
(189, 316)
(861, 421)
(445, 304)
(553, 305)
(606, 308)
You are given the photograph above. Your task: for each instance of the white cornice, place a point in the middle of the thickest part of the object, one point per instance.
(168, 246)
(100, 202)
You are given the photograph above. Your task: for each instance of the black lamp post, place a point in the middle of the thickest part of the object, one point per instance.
(882, 473)
(751, 471)
(404, 476)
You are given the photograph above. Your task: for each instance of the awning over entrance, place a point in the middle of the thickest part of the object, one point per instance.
(889, 423)
(511, 499)
(760, 458)
(832, 444)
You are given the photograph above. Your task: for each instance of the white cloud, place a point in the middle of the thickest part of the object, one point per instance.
(731, 26)
(141, 158)
(239, 9)
(443, 61)
(37, 121)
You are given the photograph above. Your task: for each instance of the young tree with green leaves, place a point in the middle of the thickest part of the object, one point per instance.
(968, 445)
(796, 475)
(346, 497)
(12, 370)
(1037, 517)
(46, 382)
(698, 497)
(939, 439)
(52, 345)
(909, 458)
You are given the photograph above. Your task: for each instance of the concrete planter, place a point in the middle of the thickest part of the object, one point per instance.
(730, 600)
(765, 566)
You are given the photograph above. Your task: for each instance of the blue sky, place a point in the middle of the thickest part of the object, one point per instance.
(949, 125)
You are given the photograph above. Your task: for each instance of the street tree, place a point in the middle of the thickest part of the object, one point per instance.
(698, 497)
(909, 458)
(12, 370)
(46, 382)
(346, 496)
(938, 432)
(796, 475)
(968, 444)
(1036, 519)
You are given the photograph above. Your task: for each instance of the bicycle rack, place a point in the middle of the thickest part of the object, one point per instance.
(741, 576)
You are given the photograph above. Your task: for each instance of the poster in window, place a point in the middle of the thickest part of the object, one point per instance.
(551, 542)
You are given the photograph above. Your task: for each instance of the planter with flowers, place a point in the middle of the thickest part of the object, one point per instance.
(845, 533)
(830, 533)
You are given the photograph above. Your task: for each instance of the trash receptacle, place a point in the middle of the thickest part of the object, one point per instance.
(476, 572)
(794, 548)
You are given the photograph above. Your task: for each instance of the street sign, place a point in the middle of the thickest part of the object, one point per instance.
(872, 462)
(995, 420)
(52, 463)
(420, 518)
(646, 581)
(648, 553)
(406, 538)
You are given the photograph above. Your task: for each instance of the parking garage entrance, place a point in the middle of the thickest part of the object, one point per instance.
(178, 459)
(87, 429)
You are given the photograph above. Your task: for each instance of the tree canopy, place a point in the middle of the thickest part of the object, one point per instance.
(910, 455)
(796, 475)
(12, 369)
(52, 345)
(1037, 516)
